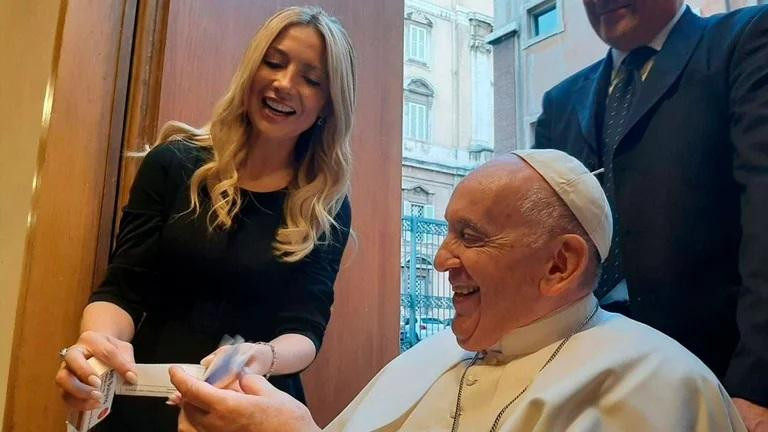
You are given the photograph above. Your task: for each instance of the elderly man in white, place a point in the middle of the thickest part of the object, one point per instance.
(530, 348)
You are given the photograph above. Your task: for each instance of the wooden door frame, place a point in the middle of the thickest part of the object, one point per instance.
(85, 107)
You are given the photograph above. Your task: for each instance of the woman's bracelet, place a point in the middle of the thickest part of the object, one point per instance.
(274, 358)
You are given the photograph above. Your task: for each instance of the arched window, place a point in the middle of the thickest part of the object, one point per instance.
(418, 100)
(418, 35)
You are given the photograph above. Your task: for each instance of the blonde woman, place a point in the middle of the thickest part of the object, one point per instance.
(234, 228)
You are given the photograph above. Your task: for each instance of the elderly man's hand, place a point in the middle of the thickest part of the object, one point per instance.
(261, 407)
(755, 417)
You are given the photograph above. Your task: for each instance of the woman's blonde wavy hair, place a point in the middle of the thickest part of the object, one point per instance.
(322, 152)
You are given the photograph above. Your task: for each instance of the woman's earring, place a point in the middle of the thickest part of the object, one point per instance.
(320, 121)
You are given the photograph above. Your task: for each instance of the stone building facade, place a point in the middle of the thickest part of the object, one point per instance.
(447, 99)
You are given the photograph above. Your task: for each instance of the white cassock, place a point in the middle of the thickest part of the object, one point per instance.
(614, 375)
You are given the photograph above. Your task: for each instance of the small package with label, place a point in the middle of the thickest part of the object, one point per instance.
(153, 380)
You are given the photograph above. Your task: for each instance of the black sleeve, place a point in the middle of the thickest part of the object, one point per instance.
(308, 301)
(747, 375)
(131, 272)
(543, 134)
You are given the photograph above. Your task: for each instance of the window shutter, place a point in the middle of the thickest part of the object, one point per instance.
(407, 120)
(429, 211)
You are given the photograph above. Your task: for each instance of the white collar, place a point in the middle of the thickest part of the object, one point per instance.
(657, 43)
(542, 332)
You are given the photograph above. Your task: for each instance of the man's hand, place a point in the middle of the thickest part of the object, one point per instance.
(261, 407)
(754, 416)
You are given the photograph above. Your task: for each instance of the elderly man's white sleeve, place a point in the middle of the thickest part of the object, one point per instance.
(690, 404)
(339, 424)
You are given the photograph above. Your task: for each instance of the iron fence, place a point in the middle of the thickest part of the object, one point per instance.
(425, 294)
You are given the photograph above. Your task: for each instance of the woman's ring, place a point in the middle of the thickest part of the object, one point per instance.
(63, 352)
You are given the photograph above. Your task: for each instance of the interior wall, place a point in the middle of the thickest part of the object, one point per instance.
(363, 333)
(27, 37)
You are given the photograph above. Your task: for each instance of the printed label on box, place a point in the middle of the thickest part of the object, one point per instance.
(153, 380)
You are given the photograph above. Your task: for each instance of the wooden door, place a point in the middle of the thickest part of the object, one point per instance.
(124, 67)
(197, 46)
(72, 205)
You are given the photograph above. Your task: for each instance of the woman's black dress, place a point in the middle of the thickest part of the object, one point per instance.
(186, 287)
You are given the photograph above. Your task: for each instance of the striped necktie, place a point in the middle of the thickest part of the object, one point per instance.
(618, 106)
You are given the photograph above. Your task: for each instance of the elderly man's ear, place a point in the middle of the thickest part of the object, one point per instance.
(566, 267)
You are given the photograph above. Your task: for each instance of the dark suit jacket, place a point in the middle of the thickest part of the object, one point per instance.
(691, 179)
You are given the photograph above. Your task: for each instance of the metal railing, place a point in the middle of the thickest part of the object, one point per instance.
(425, 294)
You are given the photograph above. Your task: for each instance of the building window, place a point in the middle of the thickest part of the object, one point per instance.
(417, 105)
(544, 19)
(418, 43)
(416, 121)
(418, 209)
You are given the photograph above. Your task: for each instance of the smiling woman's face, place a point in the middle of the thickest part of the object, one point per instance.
(628, 24)
(290, 87)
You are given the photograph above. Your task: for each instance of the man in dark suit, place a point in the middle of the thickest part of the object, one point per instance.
(677, 116)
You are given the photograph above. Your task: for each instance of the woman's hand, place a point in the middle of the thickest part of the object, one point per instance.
(78, 380)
